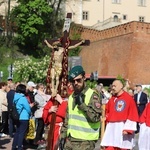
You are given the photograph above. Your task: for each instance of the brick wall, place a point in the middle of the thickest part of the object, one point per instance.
(121, 50)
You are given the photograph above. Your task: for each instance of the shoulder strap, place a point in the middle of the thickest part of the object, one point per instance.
(16, 104)
(16, 101)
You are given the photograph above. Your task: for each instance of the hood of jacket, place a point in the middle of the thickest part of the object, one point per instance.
(17, 96)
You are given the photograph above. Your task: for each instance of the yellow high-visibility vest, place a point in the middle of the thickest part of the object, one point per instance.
(78, 125)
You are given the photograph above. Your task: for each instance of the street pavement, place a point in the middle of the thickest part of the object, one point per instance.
(6, 142)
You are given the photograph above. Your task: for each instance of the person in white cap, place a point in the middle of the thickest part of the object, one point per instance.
(30, 91)
(9, 80)
(31, 84)
(30, 96)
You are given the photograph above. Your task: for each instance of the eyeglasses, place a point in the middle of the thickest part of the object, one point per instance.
(9, 80)
(79, 80)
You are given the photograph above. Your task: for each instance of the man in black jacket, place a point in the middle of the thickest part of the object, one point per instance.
(10, 97)
(141, 100)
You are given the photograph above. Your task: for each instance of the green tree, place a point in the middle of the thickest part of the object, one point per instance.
(147, 89)
(57, 17)
(75, 36)
(91, 84)
(32, 19)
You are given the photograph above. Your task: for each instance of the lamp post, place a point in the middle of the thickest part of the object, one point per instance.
(1, 75)
(10, 70)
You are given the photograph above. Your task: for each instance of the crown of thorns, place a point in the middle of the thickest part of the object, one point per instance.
(57, 43)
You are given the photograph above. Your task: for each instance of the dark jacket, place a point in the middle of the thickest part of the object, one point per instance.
(10, 97)
(30, 96)
(143, 101)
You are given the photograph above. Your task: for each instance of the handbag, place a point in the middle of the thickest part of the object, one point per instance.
(31, 130)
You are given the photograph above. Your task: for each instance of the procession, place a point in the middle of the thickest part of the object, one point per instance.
(81, 121)
(73, 77)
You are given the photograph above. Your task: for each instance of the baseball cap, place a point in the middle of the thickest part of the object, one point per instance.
(9, 78)
(30, 83)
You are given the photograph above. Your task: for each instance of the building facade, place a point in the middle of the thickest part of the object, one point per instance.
(102, 14)
(120, 50)
(5, 4)
(98, 14)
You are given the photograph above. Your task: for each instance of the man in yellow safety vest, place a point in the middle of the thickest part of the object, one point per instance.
(82, 123)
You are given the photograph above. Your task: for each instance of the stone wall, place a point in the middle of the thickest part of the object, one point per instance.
(121, 50)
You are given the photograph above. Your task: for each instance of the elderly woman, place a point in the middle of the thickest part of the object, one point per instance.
(41, 99)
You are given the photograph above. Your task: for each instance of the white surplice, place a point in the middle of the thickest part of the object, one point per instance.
(144, 137)
(113, 135)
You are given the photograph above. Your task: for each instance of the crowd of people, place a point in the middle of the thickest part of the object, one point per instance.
(32, 103)
(78, 116)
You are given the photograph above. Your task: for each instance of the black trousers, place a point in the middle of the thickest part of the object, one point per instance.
(4, 125)
(39, 129)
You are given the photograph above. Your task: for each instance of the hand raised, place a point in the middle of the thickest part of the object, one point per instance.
(53, 109)
(58, 98)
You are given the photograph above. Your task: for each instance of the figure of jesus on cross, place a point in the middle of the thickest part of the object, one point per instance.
(56, 69)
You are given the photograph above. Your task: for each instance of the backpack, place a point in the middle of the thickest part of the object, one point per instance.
(14, 115)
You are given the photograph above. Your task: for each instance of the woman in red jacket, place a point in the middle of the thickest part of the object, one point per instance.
(60, 111)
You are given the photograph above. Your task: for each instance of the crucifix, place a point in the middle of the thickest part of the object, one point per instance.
(57, 75)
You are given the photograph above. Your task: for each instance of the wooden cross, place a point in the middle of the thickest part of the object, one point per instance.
(66, 44)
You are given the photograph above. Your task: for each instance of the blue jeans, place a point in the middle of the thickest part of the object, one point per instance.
(19, 136)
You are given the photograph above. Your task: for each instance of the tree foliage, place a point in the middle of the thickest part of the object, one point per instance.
(91, 84)
(75, 51)
(34, 20)
(147, 90)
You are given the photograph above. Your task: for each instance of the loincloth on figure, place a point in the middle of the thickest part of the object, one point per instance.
(57, 70)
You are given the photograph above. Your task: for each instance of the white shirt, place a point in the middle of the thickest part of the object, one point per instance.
(138, 97)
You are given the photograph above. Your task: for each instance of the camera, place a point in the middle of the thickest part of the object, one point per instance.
(36, 103)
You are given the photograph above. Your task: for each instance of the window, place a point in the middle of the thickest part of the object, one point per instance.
(115, 18)
(85, 15)
(124, 17)
(142, 2)
(116, 1)
(141, 19)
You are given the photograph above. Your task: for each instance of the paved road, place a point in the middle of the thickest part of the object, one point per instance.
(5, 143)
